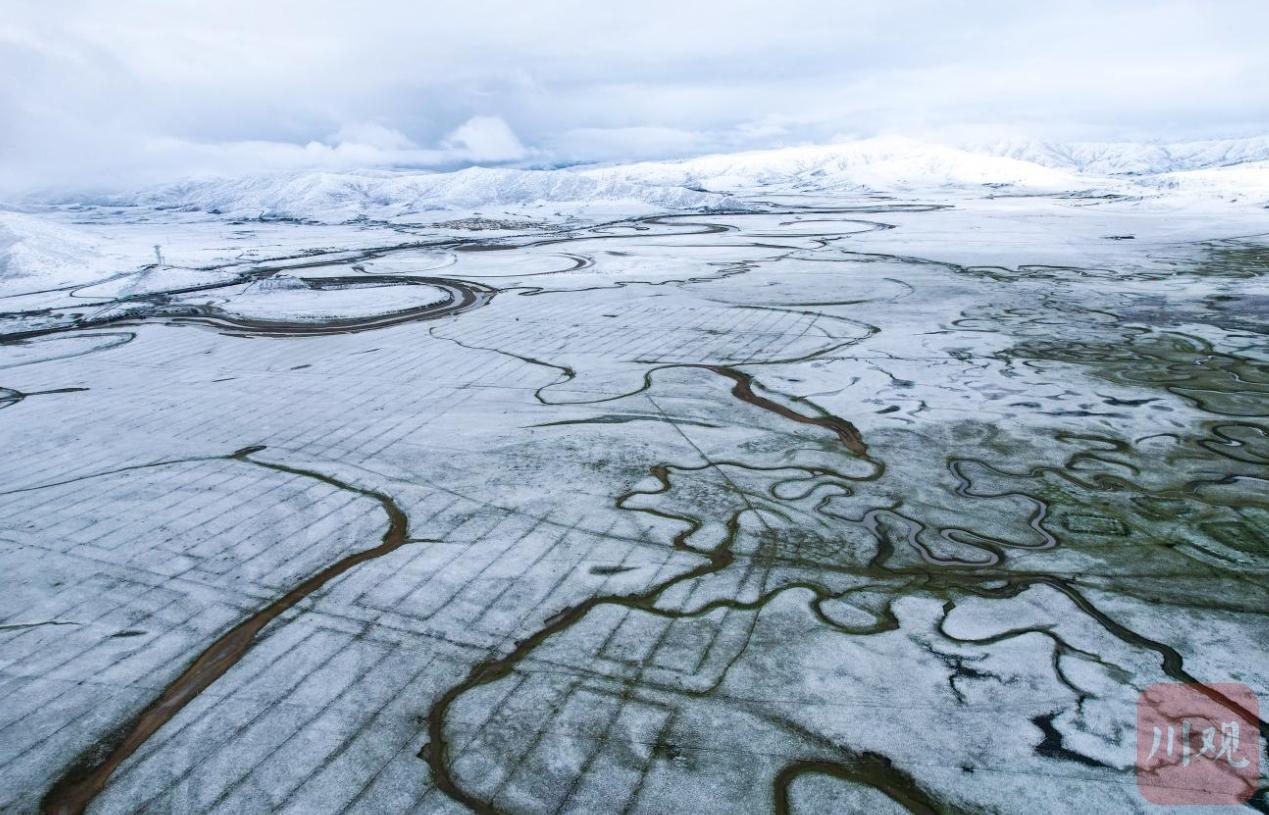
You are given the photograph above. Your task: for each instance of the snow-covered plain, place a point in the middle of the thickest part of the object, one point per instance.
(867, 476)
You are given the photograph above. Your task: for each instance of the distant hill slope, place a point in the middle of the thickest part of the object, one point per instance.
(40, 252)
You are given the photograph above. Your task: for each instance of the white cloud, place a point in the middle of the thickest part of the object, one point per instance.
(371, 134)
(92, 86)
(484, 138)
(627, 143)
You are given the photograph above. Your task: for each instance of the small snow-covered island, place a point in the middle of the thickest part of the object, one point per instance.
(712, 427)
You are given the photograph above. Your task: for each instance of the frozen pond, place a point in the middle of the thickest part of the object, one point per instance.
(816, 508)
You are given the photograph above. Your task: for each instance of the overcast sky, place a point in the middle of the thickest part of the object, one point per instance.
(128, 92)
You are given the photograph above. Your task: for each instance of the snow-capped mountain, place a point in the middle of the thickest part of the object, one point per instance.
(1117, 158)
(880, 163)
(900, 163)
(1237, 169)
(383, 194)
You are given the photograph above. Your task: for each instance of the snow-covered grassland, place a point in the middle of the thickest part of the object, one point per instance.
(877, 476)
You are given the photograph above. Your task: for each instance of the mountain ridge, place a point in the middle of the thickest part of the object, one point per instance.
(1237, 167)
